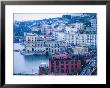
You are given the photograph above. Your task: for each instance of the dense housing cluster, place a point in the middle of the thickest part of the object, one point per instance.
(70, 41)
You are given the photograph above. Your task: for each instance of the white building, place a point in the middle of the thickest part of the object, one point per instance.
(40, 44)
(80, 39)
(80, 50)
(79, 26)
(84, 39)
(92, 40)
(93, 24)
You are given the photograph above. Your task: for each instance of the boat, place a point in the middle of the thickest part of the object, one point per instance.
(16, 50)
(26, 53)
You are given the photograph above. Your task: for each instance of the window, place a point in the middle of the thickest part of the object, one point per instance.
(28, 39)
(35, 38)
(66, 62)
(75, 62)
(62, 70)
(62, 62)
(75, 66)
(52, 69)
(67, 66)
(55, 50)
(67, 71)
(57, 70)
(72, 66)
(55, 45)
(62, 66)
(57, 62)
(41, 44)
(72, 62)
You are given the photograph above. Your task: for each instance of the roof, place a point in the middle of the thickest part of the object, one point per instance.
(43, 64)
(58, 56)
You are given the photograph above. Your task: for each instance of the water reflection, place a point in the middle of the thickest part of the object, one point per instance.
(27, 64)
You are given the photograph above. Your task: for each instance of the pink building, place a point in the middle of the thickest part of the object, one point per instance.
(64, 64)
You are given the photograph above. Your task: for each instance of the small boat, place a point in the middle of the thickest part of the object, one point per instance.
(26, 53)
(16, 50)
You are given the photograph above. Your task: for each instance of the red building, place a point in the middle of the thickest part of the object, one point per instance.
(64, 64)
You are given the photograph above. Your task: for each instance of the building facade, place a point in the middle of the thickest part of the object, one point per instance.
(40, 44)
(63, 64)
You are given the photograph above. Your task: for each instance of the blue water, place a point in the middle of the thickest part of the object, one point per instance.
(26, 64)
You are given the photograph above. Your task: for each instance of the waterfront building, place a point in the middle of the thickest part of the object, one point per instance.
(29, 42)
(64, 64)
(41, 44)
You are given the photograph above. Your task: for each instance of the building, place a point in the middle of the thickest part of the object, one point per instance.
(80, 50)
(79, 25)
(79, 39)
(43, 69)
(84, 40)
(92, 41)
(41, 44)
(64, 64)
(93, 24)
(29, 42)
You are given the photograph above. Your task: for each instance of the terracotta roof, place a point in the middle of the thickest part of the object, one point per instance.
(58, 56)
